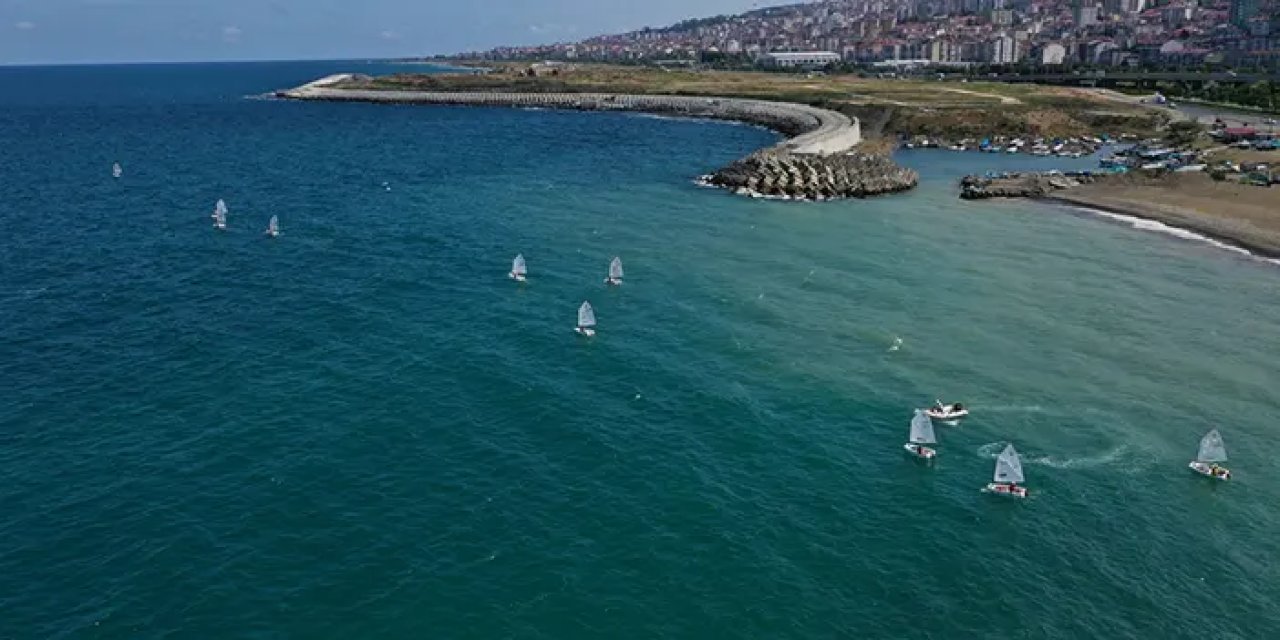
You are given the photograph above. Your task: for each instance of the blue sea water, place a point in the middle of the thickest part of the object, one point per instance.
(363, 429)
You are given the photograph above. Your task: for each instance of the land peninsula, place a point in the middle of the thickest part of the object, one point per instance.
(840, 128)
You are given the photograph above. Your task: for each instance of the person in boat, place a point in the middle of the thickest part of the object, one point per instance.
(957, 407)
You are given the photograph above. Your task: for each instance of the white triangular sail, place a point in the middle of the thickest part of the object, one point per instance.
(586, 316)
(615, 269)
(922, 429)
(1211, 448)
(518, 267)
(273, 227)
(1008, 466)
(219, 209)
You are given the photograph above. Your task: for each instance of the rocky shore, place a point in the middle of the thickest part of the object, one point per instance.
(817, 161)
(1021, 185)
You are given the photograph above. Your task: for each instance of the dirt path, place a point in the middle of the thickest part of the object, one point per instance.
(1002, 99)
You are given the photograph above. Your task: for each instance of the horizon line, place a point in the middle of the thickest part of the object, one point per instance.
(126, 63)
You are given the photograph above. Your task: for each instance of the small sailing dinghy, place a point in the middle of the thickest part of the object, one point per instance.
(954, 411)
(1212, 451)
(519, 271)
(273, 227)
(615, 273)
(586, 320)
(219, 209)
(116, 170)
(1008, 474)
(921, 435)
(220, 218)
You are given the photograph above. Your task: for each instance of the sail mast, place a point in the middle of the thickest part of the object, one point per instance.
(1008, 466)
(586, 316)
(1212, 448)
(922, 429)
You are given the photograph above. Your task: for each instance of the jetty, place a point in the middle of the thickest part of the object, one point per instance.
(818, 160)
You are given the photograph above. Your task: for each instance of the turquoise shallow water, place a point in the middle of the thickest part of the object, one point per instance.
(363, 429)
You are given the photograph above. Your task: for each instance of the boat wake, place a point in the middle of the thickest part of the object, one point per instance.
(1010, 408)
(1115, 457)
(1144, 224)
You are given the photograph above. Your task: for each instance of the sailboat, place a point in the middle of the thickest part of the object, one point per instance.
(116, 170)
(1212, 451)
(219, 209)
(586, 320)
(519, 271)
(615, 273)
(921, 435)
(220, 218)
(1008, 474)
(273, 227)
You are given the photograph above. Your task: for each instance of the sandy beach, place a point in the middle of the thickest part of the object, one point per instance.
(1242, 215)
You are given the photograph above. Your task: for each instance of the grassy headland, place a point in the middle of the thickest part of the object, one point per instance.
(951, 110)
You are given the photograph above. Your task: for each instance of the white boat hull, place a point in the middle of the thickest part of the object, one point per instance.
(1207, 470)
(613, 282)
(946, 415)
(1002, 489)
(518, 277)
(920, 451)
(586, 331)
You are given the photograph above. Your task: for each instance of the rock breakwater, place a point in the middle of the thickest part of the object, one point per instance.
(814, 162)
(793, 176)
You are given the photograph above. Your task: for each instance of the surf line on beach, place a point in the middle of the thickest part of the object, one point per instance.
(1155, 226)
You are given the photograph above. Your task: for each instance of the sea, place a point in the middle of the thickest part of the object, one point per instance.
(365, 429)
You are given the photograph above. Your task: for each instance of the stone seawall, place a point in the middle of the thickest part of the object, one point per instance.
(816, 161)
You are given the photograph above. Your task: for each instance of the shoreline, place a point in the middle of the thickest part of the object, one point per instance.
(1228, 233)
(818, 158)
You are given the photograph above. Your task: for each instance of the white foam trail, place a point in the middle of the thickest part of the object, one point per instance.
(1143, 224)
(1114, 457)
(1031, 408)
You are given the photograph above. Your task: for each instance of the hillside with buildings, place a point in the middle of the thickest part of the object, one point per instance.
(1145, 34)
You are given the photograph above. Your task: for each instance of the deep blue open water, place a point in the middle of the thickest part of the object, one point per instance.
(364, 430)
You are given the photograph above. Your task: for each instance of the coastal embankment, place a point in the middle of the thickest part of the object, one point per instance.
(1240, 215)
(818, 160)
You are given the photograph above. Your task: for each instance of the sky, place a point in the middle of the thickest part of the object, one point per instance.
(106, 31)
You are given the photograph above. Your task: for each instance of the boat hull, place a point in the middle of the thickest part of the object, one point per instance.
(1002, 489)
(613, 282)
(1207, 470)
(920, 451)
(946, 415)
(518, 277)
(585, 331)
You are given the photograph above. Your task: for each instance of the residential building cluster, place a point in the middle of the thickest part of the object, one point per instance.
(1107, 33)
